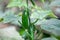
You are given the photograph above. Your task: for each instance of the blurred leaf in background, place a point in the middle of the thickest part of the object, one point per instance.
(52, 26)
(17, 3)
(49, 38)
(55, 3)
(41, 14)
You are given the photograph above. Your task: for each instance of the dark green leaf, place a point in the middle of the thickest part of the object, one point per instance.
(25, 19)
(32, 1)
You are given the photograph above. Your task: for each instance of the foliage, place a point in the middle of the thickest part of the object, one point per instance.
(34, 21)
(49, 38)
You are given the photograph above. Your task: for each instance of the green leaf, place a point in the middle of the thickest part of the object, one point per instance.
(52, 26)
(17, 3)
(39, 14)
(9, 17)
(25, 19)
(55, 3)
(49, 38)
(32, 1)
(1, 14)
(52, 15)
(22, 31)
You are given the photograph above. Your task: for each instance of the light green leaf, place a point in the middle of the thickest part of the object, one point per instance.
(1, 14)
(52, 15)
(39, 14)
(17, 3)
(55, 3)
(8, 17)
(52, 26)
(49, 38)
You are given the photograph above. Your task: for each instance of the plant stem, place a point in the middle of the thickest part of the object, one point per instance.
(30, 28)
(32, 33)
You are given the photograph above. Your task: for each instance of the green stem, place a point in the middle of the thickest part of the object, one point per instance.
(32, 33)
(30, 28)
(32, 1)
(27, 2)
